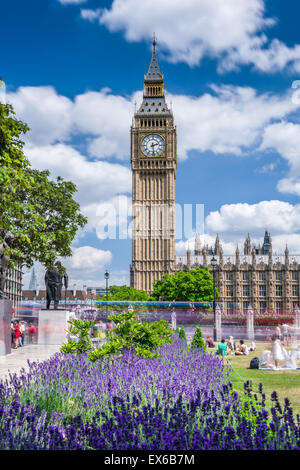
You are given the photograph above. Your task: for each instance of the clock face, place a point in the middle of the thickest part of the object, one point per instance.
(153, 145)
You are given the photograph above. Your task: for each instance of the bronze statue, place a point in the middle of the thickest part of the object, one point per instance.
(4, 261)
(54, 281)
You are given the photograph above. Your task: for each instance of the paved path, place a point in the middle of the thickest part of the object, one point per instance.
(15, 361)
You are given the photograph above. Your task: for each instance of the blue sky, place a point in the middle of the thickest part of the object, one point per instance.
(73, 70)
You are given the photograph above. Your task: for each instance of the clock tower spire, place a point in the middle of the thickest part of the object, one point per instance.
(153, 164)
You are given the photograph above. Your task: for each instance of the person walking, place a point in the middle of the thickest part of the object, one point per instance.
(285, 334)
(277, 352)
(12, 334)
(17, 334)
(31, 332)
(278, 331)
(23, 331)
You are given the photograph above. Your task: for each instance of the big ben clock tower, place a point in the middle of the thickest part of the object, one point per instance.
(153, 164)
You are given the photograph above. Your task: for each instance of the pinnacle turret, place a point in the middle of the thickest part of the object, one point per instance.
(154, 73)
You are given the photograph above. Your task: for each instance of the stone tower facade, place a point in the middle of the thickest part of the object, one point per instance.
(153, 165)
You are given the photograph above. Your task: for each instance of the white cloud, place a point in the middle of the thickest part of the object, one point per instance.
(48, 114)
(96, 180)
(87, 259)
(107, 118)
(292, 240)
(268, 168)
(90, 15)
(102, 118)
(229, 120)
(273, 58)
(231, 31)
(277, 217)
(289, 186)
(284, 138)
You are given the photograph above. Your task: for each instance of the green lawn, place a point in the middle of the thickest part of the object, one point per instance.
(285, 382)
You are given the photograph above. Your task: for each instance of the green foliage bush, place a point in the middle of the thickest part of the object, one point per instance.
(198, 341)
(81, 330)
(182, 335)
(130, 335)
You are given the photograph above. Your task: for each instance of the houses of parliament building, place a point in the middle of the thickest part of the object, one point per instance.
(255, 276)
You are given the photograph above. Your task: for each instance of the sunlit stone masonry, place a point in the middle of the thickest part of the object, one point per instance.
(257, 277)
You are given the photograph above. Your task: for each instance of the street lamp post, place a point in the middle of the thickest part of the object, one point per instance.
(214, 262)
(106, 275)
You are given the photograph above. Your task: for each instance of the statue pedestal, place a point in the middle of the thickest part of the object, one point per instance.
(53, 325)
(5, 331)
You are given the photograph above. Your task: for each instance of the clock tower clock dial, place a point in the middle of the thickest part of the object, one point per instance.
(153, 165)
(153, 145)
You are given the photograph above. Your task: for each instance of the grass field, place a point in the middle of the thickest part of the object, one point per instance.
(285, 382)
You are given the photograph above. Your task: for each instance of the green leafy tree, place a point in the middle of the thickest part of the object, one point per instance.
(81, 330)
(137, 338)
(126, 293)
(198, 340)
(191, 286)
(38, 211)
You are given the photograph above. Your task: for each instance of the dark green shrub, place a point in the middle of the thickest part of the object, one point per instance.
(182, 335)
(198, 341)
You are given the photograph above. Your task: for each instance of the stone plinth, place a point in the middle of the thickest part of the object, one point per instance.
(5, 330)
(53, 325)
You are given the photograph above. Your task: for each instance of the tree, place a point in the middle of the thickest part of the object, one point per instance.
(198, 341)
(191, 286)
(81, 330)
(38, 211)
(119, 293)
(139, 339)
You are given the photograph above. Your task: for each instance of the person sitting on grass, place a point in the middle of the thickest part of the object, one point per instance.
(242, 349)
(231, 344)
(209, 342)
(222, 349)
